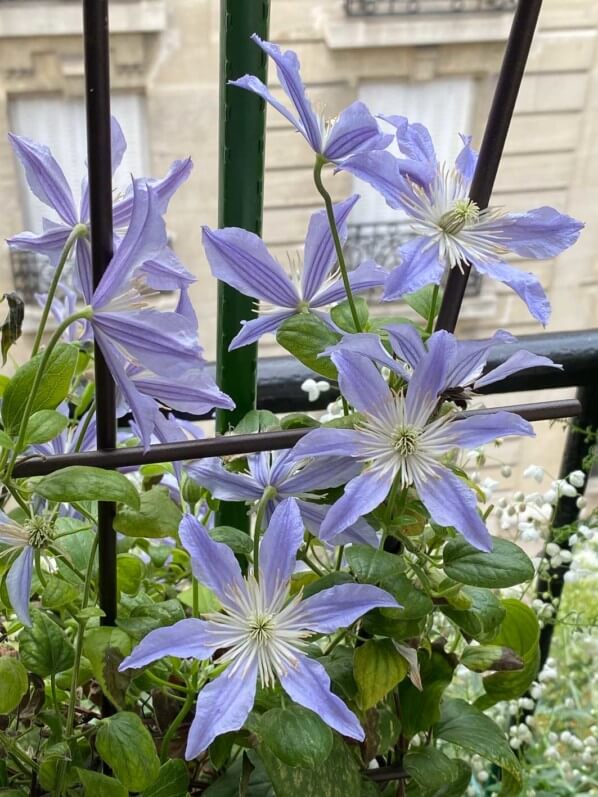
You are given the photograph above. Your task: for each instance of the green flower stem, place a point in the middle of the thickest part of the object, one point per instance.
(195, 594)
(85, 425)
(54, 340)
(38, 568)
(269, 493)
(78, 231)
(339, 557)
(432, 316)
(174, 725)
(336, 238)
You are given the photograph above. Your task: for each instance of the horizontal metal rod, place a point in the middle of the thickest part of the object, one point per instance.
(229, 445)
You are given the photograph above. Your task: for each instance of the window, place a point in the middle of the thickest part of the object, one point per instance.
(60, 123)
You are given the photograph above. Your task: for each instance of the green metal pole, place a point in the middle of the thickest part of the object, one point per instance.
(242, 134)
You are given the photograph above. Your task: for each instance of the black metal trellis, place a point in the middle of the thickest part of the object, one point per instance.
(96, 41)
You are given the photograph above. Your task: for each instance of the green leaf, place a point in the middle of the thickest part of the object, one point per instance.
(480, 658)
(338, 776)
(44, 648)
(519, 631)
(257, 421)
(420, 709)
(157, 516)
(237, 541)
(130, 571)
(296, 736)
(5, 440)
(44, 425)
(421, 301)
(414, 602)
(326, 582)
(207, 600)
(14, 683)
(342, 316)
(172, 781)
(378, 667)
(468, 727)
(58, 593)
(126, 745)
(371, 565)
(298, 420)
(430, 768)
(97, 785)
(305, 336)
(505, 566)
(53, 388)
(482, 619)
(13, 325)
(82, 483)
(105, 648)
(148, 617)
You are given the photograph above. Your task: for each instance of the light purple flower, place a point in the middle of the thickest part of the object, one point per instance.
(47, 181)
(403, 437)
(261, 632)
(25, 539)
(354, 131)
(285, 477)
(241, 259)
(467, 358)
(452, 230)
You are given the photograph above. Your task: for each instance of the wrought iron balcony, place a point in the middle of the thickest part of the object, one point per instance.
(381, 8)
(379, 241)
(31, 274)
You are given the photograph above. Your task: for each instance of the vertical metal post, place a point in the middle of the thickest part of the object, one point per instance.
(97, 100)
(493, 143)
(242, 134)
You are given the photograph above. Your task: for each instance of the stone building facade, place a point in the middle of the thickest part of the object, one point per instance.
(437, 63)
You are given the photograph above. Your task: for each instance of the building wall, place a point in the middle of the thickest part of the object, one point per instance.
(169, 51)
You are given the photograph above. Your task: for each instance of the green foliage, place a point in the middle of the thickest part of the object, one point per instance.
(43, 426)
(342, 316)
(157, 516)
(305, 336)
(97, 785)
(105, 648)
(125, 744)
(14, 683)
(44, 647)
(296, 736)
(82, 483)
(172, 781)
(378, 667)
(506, 565)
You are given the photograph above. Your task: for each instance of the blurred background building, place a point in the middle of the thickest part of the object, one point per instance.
(434, 61)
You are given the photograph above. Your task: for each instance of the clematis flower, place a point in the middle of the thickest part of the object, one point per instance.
(26, 539)
(451, 230)
(261, 633)
(241, 259)
(467, 358)
(403, 438)
(284, 477)
(355, 130)
(47, 181)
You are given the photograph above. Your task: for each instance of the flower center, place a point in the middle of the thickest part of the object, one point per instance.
(261, 628)
(40, 530)
(405, 440)
(463, 213)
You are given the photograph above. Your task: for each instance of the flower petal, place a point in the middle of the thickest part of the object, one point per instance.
(49, 243)
(467, 159)
(287, 69)
(319, 254)
(340, 606)
(451, 502)
(162, 190)
(539, 233)
(278, 548)
(406, 343)
(195, 393)
(118, 143)
(18, 584)
(255, 85)
(251, 331)
(380, 169)
(308, 684)
(166, 272)
(414, 140)
(223, 705)
(470, 357)
(524, 283)
(241, 259)
(223, 484)
(520, 361)
(429, 378)
(366, 276)
(367, 344)
(213, 563)
(320, 474)
(360, 382)
(84, 273)
(359, 532)
(477, 430)
(420, 266)
(362, 495)
(355, 130)
(325, 442)
(187, 639)
(45, 177)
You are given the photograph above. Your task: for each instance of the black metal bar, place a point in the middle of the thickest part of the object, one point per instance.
(495, 136)
(577, 448)
(237, 444)
(97, 93)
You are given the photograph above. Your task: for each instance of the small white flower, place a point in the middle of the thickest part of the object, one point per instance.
(534, 472)
(577, 478)
(506, 471)
(313, 388)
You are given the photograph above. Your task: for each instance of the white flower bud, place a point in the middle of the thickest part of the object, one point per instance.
(534, 472)
(506, 471)
(581, 502)
(550, 496)
(552, 549)
(577, 478)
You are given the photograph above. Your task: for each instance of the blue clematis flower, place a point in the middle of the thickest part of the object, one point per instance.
(285, 477)
(260, 633)
(47, 181)
(402, 437)
(354, 131)
(242, 260)
(451, 230)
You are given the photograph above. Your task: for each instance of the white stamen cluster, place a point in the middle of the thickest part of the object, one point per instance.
(256, 628)
(444, 213)
(40, 531)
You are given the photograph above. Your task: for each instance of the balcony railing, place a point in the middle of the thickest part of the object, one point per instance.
(379, 241)
(380, 8)
(31, 274)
